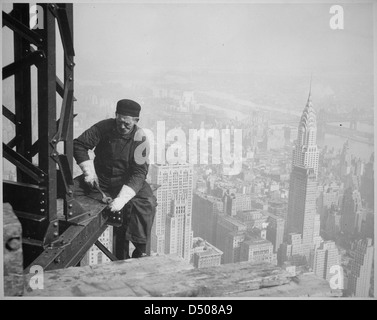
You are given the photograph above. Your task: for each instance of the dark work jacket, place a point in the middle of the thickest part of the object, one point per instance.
(118, 161)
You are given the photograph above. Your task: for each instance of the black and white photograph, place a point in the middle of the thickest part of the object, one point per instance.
(185, 151)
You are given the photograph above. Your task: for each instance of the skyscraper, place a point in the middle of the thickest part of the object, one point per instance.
(367, 183)
(303, 180)
(317, 239)
(178, 233)
(302, 205)
(325, 257)
(345, 160)
(305, 152)
(275, 231)
(350, 206)
(358, 166)
(292, 250)
(171, 231)
(367, 226)
(329, 196)
(360, 269)
(205, 212)
(333, 223)
(230, 234)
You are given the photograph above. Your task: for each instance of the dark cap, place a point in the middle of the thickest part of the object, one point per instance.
(127, 107)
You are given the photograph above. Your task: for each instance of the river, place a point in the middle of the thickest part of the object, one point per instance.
(359, 149)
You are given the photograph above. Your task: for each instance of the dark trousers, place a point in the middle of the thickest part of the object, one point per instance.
(137, 222)
(138, 216)
(122, 245)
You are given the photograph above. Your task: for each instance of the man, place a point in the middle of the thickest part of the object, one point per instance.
(120, 171)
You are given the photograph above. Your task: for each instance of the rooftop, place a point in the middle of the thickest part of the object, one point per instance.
(257, 241)
(204, 248)
(209, 252)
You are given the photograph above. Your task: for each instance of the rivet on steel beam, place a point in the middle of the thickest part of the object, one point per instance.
(70, 205)
(42, 210)
(70, 191)
(41, 55)
(119, 219)
(42, 175)
(42, 202)
(55, 224)
(72, 64)
(70, 214)
(70, 78)
(54, 154)
(56, 234)
(13, 244)
(54, 141)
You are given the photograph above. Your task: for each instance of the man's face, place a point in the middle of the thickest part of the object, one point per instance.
(124, 124)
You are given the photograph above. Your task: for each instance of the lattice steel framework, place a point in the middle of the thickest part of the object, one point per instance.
(49, 240)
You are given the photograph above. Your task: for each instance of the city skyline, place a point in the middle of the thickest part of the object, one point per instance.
(293, 95)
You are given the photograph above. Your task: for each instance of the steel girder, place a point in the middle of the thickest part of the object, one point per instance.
(34, 195)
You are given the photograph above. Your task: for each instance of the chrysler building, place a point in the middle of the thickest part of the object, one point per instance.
(305, 153)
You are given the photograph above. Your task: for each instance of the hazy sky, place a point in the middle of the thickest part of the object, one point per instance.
(271, 37)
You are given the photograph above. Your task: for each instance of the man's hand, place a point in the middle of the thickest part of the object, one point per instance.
(117, 204)
(87, 168)
(125, 195)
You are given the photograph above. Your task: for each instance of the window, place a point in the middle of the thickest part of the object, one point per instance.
(99, 257)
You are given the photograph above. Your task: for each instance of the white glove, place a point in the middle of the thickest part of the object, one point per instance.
(87, 168)
(125, 195)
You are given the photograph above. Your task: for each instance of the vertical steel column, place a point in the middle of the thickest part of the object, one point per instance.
(22, 87)
(47, 118)
(68, 70)
(68, 74)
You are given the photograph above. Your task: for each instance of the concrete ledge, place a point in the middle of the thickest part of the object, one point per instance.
(13, 261)
(169, 276)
